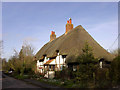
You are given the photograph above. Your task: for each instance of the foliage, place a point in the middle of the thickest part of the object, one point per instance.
(116, 52)
(22, 62)
(89, 75)
(1, 47)
(102, 78)
(86, 71)
(4, 64)
(115, 70)
(87, 66)
(87, 55)
(64, 74)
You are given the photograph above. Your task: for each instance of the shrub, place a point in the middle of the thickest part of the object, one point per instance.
(115, 71)
(102, 78)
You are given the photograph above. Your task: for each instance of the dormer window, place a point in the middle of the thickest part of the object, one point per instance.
(38, 61)
(57, 52)
(44, 55)
(64, 56)
(48, 58)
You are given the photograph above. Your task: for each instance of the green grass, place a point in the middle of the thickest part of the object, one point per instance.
(22, 77)
(51, 81)
(59, 82)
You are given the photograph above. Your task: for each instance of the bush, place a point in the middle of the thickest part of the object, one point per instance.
(102, 78)
(115, 71)
(64, 74)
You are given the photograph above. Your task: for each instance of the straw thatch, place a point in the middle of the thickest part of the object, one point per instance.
(72, 44)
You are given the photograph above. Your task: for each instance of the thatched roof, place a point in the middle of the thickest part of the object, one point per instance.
(72, 44)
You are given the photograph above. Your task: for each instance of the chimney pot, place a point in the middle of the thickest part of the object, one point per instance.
(52, 36)
(67, 21)
(69, 25)
(70, 20)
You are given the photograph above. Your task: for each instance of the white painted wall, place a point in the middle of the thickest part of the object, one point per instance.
(58, 60)
(40, 64)
(45, 59)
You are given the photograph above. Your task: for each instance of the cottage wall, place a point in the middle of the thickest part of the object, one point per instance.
(45, 59)
(40, 66)
(60, 61)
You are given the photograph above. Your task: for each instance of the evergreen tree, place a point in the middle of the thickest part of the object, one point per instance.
(87, 67)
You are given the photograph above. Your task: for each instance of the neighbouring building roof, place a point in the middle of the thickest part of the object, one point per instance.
(72, 43)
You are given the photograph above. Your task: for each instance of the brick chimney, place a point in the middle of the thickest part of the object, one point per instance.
(69, 25)
(52, 36)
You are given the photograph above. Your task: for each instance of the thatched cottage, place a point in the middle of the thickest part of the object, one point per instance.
(54, 54)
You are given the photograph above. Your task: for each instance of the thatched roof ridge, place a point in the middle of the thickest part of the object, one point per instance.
(72, 44)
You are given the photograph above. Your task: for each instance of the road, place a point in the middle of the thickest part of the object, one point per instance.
(9, 82)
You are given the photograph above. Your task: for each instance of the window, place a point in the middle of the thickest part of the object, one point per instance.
(61, 67)
(74, 67)
(100, 64)
(50, 68)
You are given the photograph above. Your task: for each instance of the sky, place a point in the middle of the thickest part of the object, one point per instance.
(32, 22)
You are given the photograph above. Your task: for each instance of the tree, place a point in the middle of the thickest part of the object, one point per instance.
(26, 55)
(4, 64)
(1, 42)
(1, 46)
(87, 55)
(115, 70)
(115, 67)
(87, 67)
(22, 62)
(116, 52)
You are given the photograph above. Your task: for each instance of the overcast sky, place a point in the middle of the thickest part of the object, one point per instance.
(33, 22)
